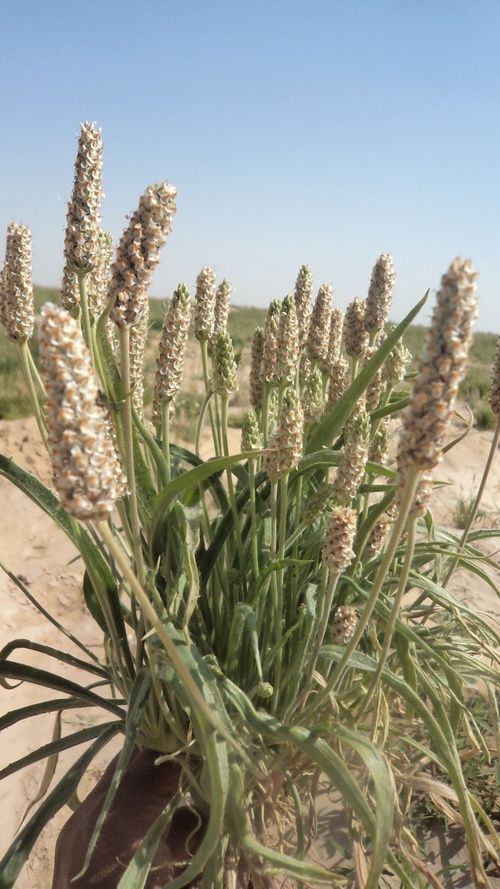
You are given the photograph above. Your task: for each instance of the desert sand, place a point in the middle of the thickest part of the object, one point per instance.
(32, 547)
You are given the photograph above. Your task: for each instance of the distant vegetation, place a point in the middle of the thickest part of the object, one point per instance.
(242, 322)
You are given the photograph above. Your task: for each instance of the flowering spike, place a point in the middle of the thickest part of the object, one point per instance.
(337, 553)
(222, 305)
(302, 296)
(84, 207)
(87, 475)
(425, 421)
(224, 366)
(288, 342)
(355, 335)
(285, 445)
(270, 344)
(139, 252)
(251, 439)
(256, 384)
(204, 304)
(173, 341)
(319, 328)
(16, 287)
(378, 301)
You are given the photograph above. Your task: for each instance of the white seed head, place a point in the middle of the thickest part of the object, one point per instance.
(222, 305)
(338, 382)
(286, 443)
(337, 553)
(270, 344)
(355, 335)
(84, 207)
(138, 253)
(204, 304)
(288, 342)
(138, 339)
(16, 288)
(100, 275)
(379, 445)
(334, 338)
(376, 387)
(396, 365)
(87, 475)
(423, 496)
(378, 535)
(319, 328)
(354, 456)
(172, 349)
(378, 301)
(313, 400)
(344, 624)
(302, 296)
(426, 420)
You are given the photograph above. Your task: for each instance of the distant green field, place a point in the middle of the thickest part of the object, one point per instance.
(242, 322)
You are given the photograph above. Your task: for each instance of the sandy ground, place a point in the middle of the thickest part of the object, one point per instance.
(31, 546)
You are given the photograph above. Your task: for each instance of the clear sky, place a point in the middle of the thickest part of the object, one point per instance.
(296, 131)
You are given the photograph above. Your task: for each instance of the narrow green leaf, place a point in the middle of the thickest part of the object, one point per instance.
(138, 869)
(50, 768)
(138, 700)
(52, 747)
(54, 653)
(25, 673)
(188, 480)
(40, 709)
(18, 853)
(37, 492)
(43, 611)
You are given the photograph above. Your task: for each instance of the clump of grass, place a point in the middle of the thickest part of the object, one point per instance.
(462, 510)
(484, 418)
(257, 628)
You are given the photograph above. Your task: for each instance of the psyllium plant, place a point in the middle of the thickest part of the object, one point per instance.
(268, 617)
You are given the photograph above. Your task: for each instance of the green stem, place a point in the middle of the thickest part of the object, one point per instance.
(35, 375)
(393, 616)
(199, 424)
(385, 564)
(324, 619)
(215, 431)
(86, 322)
(254, 526)
(23, 351)
(182, 670)
(264, 419)
(279, 580)
(128, 440)
(165, 434)
(475, 506)
(295, 552)
(232, 498)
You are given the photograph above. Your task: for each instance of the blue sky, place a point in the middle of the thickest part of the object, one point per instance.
(296, 132)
